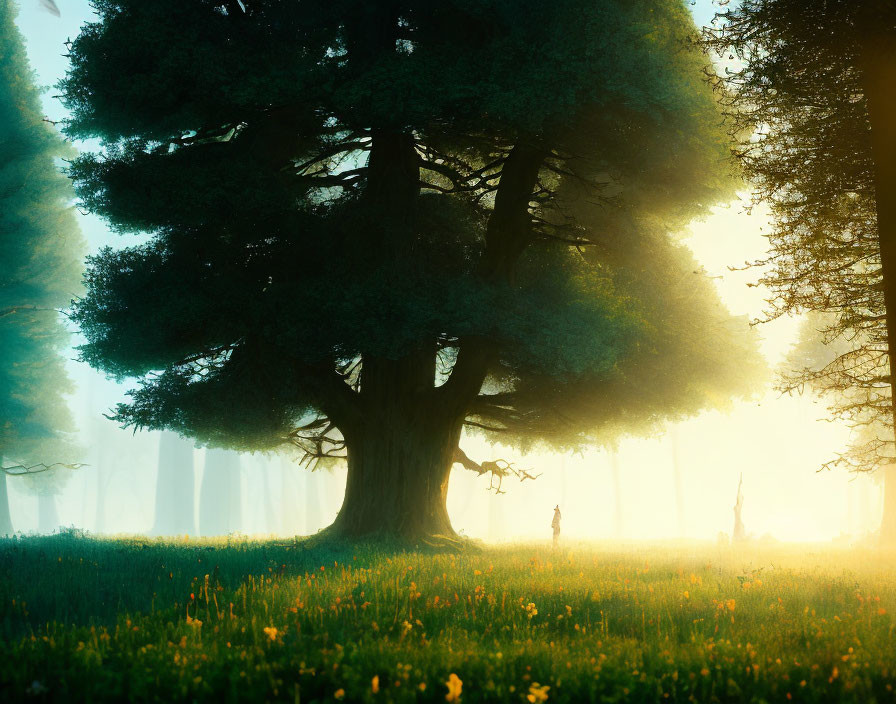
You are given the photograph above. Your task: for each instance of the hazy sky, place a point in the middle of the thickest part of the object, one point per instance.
(776, 443)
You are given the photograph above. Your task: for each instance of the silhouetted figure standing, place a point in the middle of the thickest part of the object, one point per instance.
(555, 524)
(739, 532)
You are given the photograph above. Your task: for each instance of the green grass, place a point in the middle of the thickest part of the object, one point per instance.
(141, 620)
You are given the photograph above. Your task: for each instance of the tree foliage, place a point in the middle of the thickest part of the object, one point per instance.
(40, 251)
(469, 203)
(797, 79)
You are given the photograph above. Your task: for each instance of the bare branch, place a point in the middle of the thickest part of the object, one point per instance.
(19, 470)
(496, 469)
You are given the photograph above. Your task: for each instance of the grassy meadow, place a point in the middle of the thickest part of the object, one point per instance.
(85, 619)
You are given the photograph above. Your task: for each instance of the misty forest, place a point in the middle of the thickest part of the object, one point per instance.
(457, 350)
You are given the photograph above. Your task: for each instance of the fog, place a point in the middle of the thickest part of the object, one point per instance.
(680, 484)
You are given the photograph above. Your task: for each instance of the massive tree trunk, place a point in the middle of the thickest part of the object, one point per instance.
(175, 493)
(5, 517)
(399, 460)
(879, 66)
(47, 517)
(402, 436)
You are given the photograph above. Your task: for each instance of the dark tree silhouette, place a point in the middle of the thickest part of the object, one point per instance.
(815, 80)
(375, 224)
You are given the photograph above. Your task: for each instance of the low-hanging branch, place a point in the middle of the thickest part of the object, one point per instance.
(496, 469)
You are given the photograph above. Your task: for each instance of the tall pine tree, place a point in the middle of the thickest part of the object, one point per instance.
(40, 267)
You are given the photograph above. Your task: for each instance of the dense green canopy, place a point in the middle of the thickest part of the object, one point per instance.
(374, 224)
(40, 251)
(246, 143)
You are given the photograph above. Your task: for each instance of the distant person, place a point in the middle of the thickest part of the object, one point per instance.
(555, 524)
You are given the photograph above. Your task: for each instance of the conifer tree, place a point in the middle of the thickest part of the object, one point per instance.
(811, 91)
(376, 224)
(40, 268)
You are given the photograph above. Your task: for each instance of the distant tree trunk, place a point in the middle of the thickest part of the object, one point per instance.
(313, 520)
(272, 525)
(102, 481)
(288, 498)
(679, 489)
(495, 517)
(739, 533)
(5, 516)
(47, 517)
(879, 76)
(175, 493)
(888, 520)
(220, 498)
(617, 494)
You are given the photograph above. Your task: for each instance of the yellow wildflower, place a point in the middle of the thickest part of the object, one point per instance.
(375, 684)
(271, 632)
(455, 685)
(537, 693)
(339, 693)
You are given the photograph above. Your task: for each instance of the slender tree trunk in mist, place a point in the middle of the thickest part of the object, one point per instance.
(617, 493)
(290, 522)
(102, 481)
(175, 493)
(879, 66)
(313, 514)
(5, 516)
(495, 517)
(888, 520)
(47, 517)
(679, 490)
(272, 525)
(220, 498)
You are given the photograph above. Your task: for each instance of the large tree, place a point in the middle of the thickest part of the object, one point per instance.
(40, 256)
(374, 224)
(811, 85)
